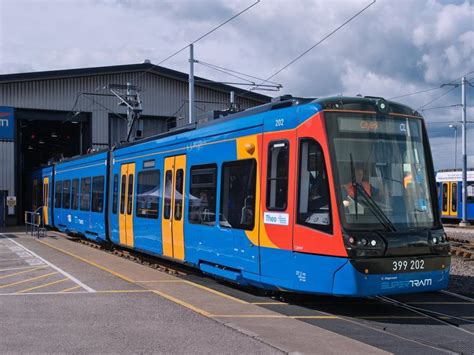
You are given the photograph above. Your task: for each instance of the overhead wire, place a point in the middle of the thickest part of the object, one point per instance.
(199, 38)
(310, 48)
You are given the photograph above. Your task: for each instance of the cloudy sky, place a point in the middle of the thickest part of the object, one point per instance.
(395, 48)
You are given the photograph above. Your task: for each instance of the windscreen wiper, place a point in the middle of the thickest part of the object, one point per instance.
(376, 210)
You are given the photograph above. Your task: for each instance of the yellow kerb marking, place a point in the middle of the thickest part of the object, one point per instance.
(41, 286)
(70, 289)
(28, 280)
(161, 281)
(216, 292)
(88, 262)
(182, 303)
(22, 272)
(124, 291)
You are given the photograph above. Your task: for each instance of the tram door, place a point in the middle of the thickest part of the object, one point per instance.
(449, 199)
(46, 200)
(127, 196)
(172, 221)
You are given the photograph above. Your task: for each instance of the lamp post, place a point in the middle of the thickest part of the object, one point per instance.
(455, 127)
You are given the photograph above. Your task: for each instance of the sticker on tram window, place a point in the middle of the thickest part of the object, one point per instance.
(281, 219)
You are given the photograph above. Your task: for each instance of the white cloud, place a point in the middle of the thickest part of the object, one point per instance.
(394, 48)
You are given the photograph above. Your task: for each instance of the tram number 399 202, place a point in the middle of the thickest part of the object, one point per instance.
(403, 265)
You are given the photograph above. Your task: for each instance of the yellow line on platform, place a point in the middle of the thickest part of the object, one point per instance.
(160, 281)
(22, 272)
(70, 289)
(216, 292)
(249, 316)
(125, 278)
(183, 303)
(162, 294)
(41, 286)
(124, 291)
(27, 280)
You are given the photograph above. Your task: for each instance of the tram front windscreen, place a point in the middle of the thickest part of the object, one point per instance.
(380, 171)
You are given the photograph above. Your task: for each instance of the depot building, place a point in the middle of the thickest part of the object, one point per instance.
(51, 115)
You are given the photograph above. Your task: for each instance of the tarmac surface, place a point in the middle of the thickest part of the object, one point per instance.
(57, 295)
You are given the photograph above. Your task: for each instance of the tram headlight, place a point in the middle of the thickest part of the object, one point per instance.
(364, 246)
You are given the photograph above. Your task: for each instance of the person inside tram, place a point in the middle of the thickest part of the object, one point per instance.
(362, 178)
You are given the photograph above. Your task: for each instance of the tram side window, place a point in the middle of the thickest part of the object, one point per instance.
(97, 194)
(277, 176)
(202, 198)
(57, 194)
(67, 194)
(237, 204)
(122, 194)
(115, 194)
(470, 192)
(314, 208)
(85, 194)
(167, 200)
(75, 194)
(130, 194)
(148, 194)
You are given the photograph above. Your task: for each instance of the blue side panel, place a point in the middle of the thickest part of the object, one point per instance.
(84, 221)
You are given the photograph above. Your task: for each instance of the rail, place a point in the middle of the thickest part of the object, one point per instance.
(34, 222)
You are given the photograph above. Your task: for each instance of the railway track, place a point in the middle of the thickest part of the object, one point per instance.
(462, 248)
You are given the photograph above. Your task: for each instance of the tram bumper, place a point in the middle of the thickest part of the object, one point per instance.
(351, 281)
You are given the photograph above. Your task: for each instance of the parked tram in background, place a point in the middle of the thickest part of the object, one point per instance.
(330, 196)
(450, 190)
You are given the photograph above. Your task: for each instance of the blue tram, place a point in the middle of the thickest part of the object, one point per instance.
(302, 195)
(450, 195)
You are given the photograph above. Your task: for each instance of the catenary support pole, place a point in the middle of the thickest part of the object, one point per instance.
(191, 83)
(464, 154)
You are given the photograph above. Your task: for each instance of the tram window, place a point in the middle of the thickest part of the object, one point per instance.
(470, 192)
(67, 194)
(130, 194)
(97, 194)
(237, 204)
(314, 207)
(122, 194)
(178, 197)
(202, 198)
(86, 194)
(115, 194)
(167, 204)
(57, 194)
(75, 194)
(277, 176)
(445, 197)
(454, 197)
(148, 193)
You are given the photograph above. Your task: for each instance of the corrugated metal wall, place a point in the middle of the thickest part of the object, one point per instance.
(7, 167)
(161, 96)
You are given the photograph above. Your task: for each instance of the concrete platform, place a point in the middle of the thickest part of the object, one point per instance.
(93, 301)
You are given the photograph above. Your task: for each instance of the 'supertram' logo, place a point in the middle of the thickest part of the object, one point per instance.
(420, 283)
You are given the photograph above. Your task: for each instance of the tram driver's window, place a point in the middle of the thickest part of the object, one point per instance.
(314, 207)
(237, 204)
(277, 175)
